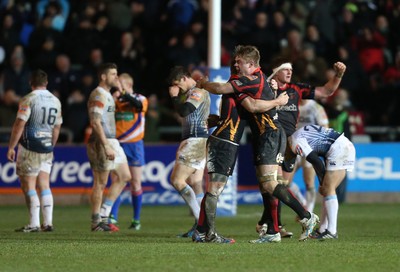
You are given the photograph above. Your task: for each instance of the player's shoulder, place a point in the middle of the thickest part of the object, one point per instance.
(299, 85)
(198, 94)
(97, 94)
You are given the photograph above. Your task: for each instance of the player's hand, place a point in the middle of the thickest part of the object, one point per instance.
(201, 81)
(11, 155)
(173, 91)
(282, 99)
(110, 154)
(273, 84)
(339, 68)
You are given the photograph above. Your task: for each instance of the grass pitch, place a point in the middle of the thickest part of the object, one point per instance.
(368, 241)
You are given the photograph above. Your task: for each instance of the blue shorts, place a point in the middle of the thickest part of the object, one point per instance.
(134, 153)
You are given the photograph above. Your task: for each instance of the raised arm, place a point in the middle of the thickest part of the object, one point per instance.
(333, 84)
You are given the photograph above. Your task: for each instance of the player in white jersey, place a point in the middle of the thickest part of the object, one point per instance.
(193, 104)
(338, 152)
(104, 151)
(310, 113)
(36, 130)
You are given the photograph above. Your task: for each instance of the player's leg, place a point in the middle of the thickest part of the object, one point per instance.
(196, 182)
(118, 184)
(267, 177)
(294, 188)
(96, 197)
(190, 157)
(221, 161)
(179, 175)
(28, 186)
(121, 169)
(117, 202)
(340, 158)
(137, 195)
(46, 200)
(28, 165)
(46, 196)
(208, 211)
(101, 167)
(331, 181)
(309, 180)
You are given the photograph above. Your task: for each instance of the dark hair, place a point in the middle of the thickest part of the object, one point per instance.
(38, 78)
(177, 73)
(278, 61)
(104, 68)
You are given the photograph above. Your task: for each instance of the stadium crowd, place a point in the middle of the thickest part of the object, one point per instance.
(69, 39)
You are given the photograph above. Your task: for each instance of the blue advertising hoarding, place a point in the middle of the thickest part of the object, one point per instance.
(377, 169)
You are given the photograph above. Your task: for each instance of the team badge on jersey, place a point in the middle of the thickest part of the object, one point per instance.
(195, 96)
(23, 108)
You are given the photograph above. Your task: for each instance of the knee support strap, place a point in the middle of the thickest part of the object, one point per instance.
(282, 180)
(267, 177)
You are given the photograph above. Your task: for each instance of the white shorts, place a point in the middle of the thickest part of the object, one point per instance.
(97, 156)
(192, 152)
(30, 163)
(341, 155)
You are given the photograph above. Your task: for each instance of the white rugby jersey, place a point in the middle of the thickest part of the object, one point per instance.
(312, 113)
(313, 138)
(195, 124)
(42, 111)
(101, 102)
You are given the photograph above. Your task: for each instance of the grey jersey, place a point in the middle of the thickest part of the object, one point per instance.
(313, 138)
(195, 124)
(42, 111)
(312, 113)
(101, 102)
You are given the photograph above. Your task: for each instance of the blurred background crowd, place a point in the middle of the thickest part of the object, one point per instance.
(145, 38)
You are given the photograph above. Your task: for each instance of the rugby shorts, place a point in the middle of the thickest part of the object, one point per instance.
(30, 163)
(97, 156)
(221, 156)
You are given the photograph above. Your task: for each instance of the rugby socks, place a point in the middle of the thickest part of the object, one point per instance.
(189, 196)
(278, 211)
(106, 208)
(311, 195)
(115, 208)
(284, 195)
(201, 226)
(34, 208)
(199, 198)
(208, 211)
(47, 204)
(332, 208)
(270, 213)
(137, 204)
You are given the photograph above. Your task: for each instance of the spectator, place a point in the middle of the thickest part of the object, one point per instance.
(263, 38)
(16, 74)
(310, 67)
(58, 10)
(9, 35)
(63, 79)
(76, 116)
